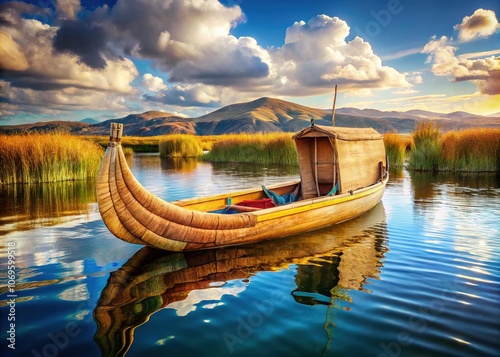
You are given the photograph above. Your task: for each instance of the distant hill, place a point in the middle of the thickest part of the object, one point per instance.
(264, 115)
(89, 121)
(150, 123)
(46, 126)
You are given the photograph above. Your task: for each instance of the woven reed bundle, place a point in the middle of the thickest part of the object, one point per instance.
(135, 215)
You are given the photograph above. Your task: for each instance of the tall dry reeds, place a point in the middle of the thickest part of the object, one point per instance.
(135, 143)
(395, 147)
(33, 158)
(267, 148)
(475, 149)
(179, 145)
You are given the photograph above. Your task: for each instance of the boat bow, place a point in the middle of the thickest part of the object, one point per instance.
(135, 215)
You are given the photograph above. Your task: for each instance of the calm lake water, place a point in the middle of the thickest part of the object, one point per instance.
(419, 275)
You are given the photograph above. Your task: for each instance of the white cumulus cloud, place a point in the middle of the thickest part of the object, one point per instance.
(153, 83)
(316, 56)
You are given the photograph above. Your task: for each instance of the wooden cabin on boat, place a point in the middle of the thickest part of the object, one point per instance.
(338, 159)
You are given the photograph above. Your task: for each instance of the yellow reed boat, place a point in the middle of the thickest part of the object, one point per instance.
(343, 174)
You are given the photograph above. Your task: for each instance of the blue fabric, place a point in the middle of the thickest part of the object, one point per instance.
(334, 190)
(225, 211)
(277, 199)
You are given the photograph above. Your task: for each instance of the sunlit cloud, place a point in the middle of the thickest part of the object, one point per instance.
(316, 56)
(485, 73)
(187, 95)
(153, 83)
(440, 103)
(482, 23)
(479, 54)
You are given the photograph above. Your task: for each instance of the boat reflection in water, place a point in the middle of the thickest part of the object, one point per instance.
(328, 261)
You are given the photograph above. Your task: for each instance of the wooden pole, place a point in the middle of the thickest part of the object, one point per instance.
(333, 109)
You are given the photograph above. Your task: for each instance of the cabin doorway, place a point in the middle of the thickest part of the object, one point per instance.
(318, 166)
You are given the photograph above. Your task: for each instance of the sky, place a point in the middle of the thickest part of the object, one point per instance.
(100, 59)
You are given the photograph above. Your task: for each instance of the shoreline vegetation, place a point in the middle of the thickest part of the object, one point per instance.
(261, 148)
(34, 158)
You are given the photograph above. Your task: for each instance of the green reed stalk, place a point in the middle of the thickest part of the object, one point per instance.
(426, 154)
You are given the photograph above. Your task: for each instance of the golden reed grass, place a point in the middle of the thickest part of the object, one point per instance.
(179, 145)
(149, 143)
(475, 149)
(426, 154)
(32, 158)
(261, 148)
(396, 146)
(135, 143)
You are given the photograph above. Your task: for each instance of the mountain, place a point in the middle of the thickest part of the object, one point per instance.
(46, 126)
(261, 115)
(423, 114)
(461, 115)
(264, 115)
(150, 123)
(89, 121)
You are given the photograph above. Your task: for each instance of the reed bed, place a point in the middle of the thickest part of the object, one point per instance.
(149, 143)
(396, 146)
(135, 143)
(179, 145)
(426, 153)
(475, 149)
(34, 158)
(262, 148)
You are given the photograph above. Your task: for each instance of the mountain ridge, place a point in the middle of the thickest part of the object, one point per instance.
(263, 115)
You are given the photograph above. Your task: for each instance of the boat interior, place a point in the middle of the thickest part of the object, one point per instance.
(363, 163)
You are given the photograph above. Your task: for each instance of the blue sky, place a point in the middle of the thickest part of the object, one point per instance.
(72, 59)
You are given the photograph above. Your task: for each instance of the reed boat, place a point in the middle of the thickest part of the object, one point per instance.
(343, 174)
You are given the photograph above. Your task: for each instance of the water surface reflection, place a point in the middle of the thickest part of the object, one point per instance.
(25, 207)
(329, 263)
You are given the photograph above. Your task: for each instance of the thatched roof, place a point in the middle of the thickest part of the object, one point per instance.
(340, 133)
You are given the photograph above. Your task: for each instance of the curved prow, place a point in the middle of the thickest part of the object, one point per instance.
(115, 133)
(135, 215)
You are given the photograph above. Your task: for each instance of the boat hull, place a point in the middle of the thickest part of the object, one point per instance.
(135, 215)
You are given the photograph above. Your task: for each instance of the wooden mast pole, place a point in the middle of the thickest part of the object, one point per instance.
(333, 109)
(334, 146)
